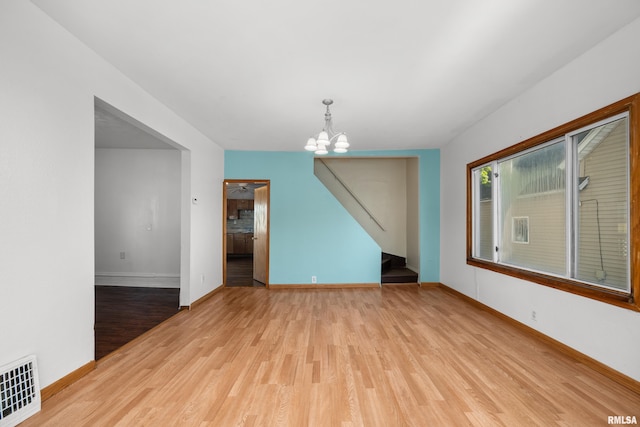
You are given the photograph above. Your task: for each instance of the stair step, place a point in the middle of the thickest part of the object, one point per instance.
(386, 264)
(394, 261)
(394, 270)
(399, 275)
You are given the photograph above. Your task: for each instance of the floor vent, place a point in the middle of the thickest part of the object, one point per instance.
(19, 391)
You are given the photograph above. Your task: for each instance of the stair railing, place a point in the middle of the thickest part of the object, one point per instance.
(371, 216)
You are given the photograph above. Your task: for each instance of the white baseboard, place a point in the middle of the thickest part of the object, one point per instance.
(138, 280)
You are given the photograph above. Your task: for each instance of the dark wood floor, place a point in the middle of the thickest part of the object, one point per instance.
(124, 313)
(240, 272)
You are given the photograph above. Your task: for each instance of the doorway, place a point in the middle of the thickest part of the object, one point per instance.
(138, 227)
(246, 233)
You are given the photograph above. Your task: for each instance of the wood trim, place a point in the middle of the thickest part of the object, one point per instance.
(325, 286)
(588, 361)
(630, 301)
(400, 284)
(621, 106)
(634, 198)
(74, 376)
(268, 256)
(67, 380)
(567, 285)
(430, 284)
(224, 232)
(205, 297)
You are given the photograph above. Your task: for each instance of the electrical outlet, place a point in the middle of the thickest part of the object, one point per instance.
(534, 316)
(314, 279)
(122, 255)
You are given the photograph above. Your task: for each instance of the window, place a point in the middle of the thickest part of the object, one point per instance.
(557, 209)
(483, 212)
(520, 229)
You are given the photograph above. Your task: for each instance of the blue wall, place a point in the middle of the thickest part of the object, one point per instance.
(311, 232)
(429, 161)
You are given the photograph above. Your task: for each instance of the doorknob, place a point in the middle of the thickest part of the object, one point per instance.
(254, 238)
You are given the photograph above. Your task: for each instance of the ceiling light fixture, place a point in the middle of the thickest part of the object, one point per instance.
(321, 142)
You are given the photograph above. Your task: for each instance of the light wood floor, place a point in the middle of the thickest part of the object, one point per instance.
(390, 357)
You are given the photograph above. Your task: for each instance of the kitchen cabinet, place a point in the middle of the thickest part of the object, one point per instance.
(242, 243)
(248, 241)
(238, 243)
(245, 204)
(232, 208)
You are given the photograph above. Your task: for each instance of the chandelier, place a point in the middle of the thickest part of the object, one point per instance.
(321, 142)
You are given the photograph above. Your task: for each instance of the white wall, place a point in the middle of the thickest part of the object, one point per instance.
(48, 81)
(605, 74)
(137, 213)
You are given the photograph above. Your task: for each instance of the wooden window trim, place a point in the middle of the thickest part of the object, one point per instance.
(621, 299)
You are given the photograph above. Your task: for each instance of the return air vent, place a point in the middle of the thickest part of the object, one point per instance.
(19, 391)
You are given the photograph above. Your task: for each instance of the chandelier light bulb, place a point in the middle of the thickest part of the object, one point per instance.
(322, 150)
(342, 142)
(323, 138)
(311, 145)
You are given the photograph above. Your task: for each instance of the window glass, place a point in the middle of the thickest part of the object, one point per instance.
(602, 211)
(532, 186)
(483, 179)
(560, 208)
(520, 232)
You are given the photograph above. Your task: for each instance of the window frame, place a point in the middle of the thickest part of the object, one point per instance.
(629, 105)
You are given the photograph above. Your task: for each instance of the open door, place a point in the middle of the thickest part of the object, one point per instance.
(260, 234)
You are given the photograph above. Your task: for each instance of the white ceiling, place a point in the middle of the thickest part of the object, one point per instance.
(404, 74)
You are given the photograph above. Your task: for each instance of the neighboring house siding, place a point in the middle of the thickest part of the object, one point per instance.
(546, 248)
(602, 247)
(486, 229)
(606, 167)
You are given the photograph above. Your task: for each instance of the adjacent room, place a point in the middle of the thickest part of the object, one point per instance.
(137, 229)
(319, 213)
(244, 225)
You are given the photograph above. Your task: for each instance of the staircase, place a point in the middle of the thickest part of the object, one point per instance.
(394, 270)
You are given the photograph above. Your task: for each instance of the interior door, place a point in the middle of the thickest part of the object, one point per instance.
(260, 233)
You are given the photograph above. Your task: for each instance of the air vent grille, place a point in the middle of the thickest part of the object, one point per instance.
(19, 391)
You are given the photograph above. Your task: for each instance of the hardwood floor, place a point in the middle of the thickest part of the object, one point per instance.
(124, 313)
(393, 356)
(240, 272)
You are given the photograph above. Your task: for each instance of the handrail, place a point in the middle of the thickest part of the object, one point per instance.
(371, 216)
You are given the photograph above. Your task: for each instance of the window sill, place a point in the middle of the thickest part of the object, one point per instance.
(619, 299)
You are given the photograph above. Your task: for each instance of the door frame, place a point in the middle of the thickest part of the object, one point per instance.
(267, 183)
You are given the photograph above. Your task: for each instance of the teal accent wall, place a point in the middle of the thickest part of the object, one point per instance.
(429, 161)
(311, 232)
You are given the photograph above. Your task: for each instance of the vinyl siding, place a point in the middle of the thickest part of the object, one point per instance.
(485, 221)
(546, 248)
(605, 198)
